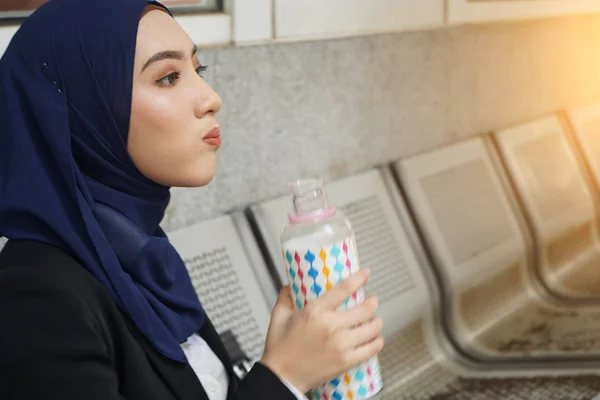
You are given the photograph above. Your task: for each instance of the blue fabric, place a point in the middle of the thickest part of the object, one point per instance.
(66, 177)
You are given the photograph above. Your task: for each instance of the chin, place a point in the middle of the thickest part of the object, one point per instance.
(198, 182)
(199, 178)
(195, 174)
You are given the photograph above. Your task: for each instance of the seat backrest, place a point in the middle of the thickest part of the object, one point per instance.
(548, 176)
(558, 197)
(460, 204)
(382, 240)
(470, 228)
(231, 279)
(586, 125)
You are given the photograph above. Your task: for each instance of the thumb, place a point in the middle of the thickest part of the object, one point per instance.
(284, 300)
(284, 308)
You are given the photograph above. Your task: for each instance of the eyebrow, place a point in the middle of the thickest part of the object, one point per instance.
(168, 54)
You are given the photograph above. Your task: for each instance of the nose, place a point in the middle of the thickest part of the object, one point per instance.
(208, 101)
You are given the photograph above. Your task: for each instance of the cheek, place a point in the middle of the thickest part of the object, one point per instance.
(158, 113)
(165, 121)
(165, 139)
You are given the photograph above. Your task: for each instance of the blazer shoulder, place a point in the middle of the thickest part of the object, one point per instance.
(37, 269)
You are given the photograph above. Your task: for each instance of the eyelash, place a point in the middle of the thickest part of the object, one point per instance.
(172, 78)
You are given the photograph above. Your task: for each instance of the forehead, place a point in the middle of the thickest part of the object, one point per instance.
(158, 31)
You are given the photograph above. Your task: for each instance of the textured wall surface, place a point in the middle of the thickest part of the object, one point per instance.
(341, 106)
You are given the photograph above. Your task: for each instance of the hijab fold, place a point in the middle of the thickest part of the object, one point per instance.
(66, 177)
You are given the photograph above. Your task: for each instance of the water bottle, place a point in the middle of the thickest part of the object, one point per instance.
(319, 251)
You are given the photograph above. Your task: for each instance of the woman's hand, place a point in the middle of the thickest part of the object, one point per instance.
(308, 348)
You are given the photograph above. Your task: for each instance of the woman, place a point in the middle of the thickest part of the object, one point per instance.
(102, 109)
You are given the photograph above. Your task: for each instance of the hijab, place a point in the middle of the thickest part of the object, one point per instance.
(66, 177)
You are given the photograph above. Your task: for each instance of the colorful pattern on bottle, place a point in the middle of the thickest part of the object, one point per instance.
(313, 271)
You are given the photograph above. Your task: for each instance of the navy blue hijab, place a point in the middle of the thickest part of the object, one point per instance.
(66, 178)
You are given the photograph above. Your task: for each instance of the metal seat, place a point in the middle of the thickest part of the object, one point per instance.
(559, 204)
(492, 305)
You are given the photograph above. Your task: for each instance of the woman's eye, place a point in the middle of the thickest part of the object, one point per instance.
(169, 80)
(173, 78)
(200, 70)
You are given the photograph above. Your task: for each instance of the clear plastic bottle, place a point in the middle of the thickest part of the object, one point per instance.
(319, 251)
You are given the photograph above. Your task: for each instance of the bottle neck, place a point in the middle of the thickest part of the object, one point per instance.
(310, 201)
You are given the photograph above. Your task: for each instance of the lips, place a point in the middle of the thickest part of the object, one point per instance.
(213, 137)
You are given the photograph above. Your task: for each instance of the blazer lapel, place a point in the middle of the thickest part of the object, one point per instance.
(178, 377)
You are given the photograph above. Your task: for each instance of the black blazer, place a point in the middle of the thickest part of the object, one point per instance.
(62, 337)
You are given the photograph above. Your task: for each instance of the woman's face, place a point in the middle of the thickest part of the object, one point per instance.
(173, 133)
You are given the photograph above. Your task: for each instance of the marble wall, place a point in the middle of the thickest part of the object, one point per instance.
(337, 107)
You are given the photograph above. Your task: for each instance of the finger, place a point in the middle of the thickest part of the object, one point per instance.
(339, 293)
(284, 307)
(361, 313)
(362, 334)
(284, 299)
(365, 352)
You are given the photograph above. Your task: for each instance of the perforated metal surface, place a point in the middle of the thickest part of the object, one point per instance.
(466, 206)
(411, 373)
(409, 368)
(557, 388)
(536, 328)
(553, 180)
(583, 277)
(223, 298)
(481, 306)
(224, 279)
(378, 248)
(571, 245)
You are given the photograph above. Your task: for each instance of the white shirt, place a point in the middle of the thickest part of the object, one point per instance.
(210, 369)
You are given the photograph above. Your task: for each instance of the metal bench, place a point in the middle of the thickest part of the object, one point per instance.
(417, 362)
(493, 307)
